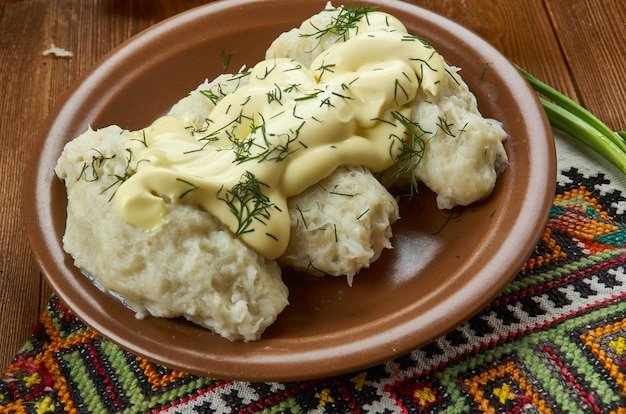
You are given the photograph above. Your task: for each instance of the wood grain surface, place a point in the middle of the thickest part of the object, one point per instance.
(578, 46)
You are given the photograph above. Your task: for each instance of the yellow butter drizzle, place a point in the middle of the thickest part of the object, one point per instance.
(287, 129)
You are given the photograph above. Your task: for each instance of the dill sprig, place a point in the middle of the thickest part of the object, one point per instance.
(210, 137)
(346, 20)
(270, 147)
(399, 88)
(363, 213)
(325, 68)
(213, 97)
(326, 102)
(96, 163)
(294, 87)
(445, 126)
(247, 202)
(216, 92)
(129, 171)
(307, 96)
(301, 212)
(425, 62)
(191, 185)
(226, 59)
(275, 95)
(143, 140)
(412, 150)
(335, 191)
(311, 267)
(268, 71)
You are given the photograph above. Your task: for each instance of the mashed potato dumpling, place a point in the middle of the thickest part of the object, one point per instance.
(340, 225)
(191, 267)
(192, 264)
(463, 151)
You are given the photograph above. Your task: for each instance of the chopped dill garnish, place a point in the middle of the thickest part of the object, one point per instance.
(275, 95)
(268, 70)
(277, 114)
(325, 68)
(462, 130)
(326, 102)
(484, 71)
(213, 97)
(301, 212)
(312, 266)
(451, 215)
(362, 214)
(398, 87)
(226, 59)
(346, 19)
(297, 67)
(96, 162)
(247, 202)
(192, 185)
(240, 76)
(346, 97)
(424, 62)
(293, 112)
(445, 126)
(129, 171)
(143, 140)
(216, 93)
(453, 76)
(270, 148)
(308, 96)
(209, 137)
(412, 149)
(335, 192)
(294, 87)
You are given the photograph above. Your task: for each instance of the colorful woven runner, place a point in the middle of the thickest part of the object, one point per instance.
(554, 341)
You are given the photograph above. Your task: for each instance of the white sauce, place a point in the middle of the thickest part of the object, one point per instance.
(289, 128)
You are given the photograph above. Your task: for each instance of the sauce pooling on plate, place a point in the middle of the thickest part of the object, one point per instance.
(287, 129)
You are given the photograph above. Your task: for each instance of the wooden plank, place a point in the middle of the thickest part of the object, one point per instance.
(520, 30)
(32, 85)
(592, 35)
(25, 86)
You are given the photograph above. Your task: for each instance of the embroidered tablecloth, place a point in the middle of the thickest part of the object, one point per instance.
(554, 341)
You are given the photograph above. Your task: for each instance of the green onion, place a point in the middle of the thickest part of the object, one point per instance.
(570, 117)
(577, 127)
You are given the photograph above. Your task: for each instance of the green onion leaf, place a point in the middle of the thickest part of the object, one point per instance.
(570, 117)
(577, 127)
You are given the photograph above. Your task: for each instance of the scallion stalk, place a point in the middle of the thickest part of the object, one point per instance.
(586, 133)
(570, 117)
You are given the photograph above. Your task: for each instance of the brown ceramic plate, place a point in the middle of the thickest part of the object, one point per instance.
(445, 266)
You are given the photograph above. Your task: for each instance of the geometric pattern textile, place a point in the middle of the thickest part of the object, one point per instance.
(554, 341)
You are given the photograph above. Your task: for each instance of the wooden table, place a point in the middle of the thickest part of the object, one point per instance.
(578, 46)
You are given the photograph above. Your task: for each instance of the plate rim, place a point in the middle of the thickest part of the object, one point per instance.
(395, 341)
